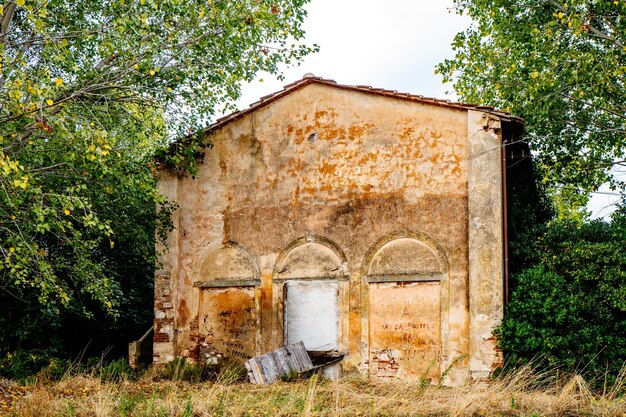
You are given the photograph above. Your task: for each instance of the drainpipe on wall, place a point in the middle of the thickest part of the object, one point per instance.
(505, 223)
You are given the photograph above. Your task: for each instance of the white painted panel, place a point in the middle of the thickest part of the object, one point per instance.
(312, 314)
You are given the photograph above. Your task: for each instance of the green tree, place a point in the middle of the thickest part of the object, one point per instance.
(570, 308)
(88, 91)
(561, 65)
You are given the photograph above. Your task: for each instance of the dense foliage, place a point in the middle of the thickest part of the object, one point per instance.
(560, 64)
(529, 209)
(570, 307)
(89, 91)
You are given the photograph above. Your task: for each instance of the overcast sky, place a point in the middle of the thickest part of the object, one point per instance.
(392, 44)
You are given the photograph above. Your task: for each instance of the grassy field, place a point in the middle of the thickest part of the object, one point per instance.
(522, 393)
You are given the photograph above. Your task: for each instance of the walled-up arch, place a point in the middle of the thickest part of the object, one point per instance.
(230, 262)
(310, 257)
(228, 304)
(405, 254)
(310, 287)
(407, 297)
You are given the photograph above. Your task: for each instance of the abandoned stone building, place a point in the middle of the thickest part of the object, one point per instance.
(358, 220)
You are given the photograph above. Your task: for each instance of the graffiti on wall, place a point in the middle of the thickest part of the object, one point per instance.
(228, 321)
(405, 330)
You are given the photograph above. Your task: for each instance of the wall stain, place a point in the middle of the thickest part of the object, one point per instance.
(392, 167)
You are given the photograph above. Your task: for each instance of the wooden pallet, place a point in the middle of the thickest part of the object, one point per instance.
(267, 368)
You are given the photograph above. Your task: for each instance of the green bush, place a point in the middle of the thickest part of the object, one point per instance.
(43, 365)
(23, 364)
(570, 308)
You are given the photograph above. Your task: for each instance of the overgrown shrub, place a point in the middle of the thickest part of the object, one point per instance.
(21, 364)
(44, 366)
(570, 308)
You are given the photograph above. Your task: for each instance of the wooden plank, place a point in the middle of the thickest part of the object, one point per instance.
(280, 357)
(250, 372)
(301, 362)
(267, 368)
(255, 369)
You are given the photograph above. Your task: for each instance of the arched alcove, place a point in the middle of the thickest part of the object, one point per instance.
(228, 321)
(406, 292)
(405, 255)
(310, 259)
(310, 279)
(231, 263)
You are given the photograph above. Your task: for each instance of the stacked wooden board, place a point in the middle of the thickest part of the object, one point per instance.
(288, 360)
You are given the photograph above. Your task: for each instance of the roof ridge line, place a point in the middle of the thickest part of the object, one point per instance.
(310, 79)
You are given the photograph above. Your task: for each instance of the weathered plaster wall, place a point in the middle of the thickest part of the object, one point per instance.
(350, 172)
(485, 241)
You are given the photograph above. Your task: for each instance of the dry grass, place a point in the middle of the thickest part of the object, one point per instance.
(522, 393)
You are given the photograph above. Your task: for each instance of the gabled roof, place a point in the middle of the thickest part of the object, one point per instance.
(311, 79)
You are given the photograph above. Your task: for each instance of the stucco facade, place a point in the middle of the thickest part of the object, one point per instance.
(358, 220)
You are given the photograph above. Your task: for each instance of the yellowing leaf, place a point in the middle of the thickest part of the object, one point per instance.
(20, 2)
(534, 74)
(21, 182)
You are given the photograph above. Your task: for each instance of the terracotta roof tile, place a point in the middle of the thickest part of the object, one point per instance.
(310, 79)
